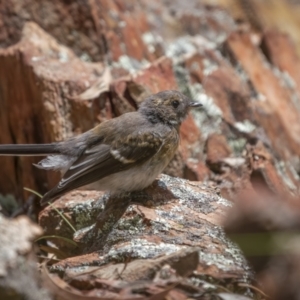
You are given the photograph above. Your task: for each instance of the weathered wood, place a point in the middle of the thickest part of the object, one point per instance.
(171, 215)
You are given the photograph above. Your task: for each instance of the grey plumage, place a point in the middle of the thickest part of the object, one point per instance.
(120, 155)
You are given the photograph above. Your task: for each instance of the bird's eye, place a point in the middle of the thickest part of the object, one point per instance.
(175, 103)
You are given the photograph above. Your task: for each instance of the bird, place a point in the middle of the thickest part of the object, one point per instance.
(120, 155)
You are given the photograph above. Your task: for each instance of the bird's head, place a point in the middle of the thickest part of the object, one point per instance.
(169, 107)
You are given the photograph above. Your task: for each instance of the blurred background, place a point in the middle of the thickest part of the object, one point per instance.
(68, 65)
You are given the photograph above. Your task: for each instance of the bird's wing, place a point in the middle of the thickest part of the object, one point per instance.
(102, 160)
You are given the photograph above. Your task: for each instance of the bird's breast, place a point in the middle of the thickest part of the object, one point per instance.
(168, 148)
(140, 176)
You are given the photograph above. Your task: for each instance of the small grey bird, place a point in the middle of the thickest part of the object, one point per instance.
(123, 154)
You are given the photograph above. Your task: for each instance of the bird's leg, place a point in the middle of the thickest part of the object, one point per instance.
(115, 207)
(95, 238)
(139, 197)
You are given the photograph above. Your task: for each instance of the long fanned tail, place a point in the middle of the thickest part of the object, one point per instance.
(30, 149)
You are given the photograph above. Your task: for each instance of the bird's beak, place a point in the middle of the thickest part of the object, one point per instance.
(195, 104)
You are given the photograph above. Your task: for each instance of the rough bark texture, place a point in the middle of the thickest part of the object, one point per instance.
(175, 223)
(171, 214)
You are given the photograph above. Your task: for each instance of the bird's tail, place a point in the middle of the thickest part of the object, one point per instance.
(29, 149)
